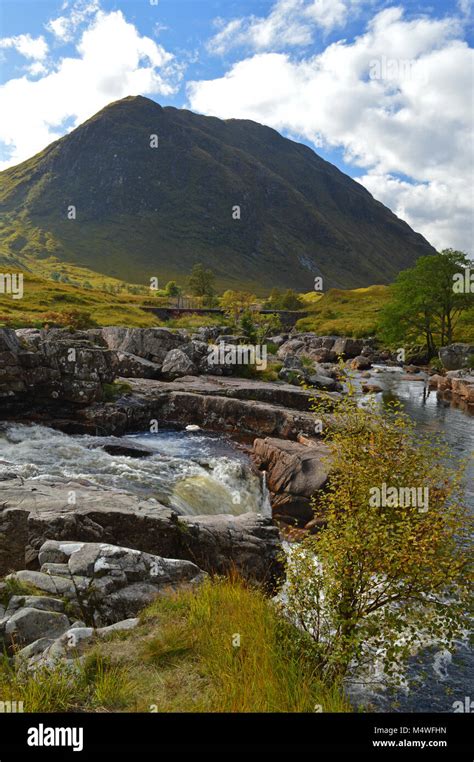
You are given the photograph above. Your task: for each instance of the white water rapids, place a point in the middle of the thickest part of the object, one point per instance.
(192, 472)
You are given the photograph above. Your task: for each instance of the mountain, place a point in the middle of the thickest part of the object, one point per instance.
(144, 212)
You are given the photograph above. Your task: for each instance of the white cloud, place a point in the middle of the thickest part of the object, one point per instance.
(65, 27)
(289, 23)
(113, 60)
(414, 121)
(30, 47)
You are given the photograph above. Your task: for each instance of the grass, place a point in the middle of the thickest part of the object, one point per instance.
(220, 648)
(356, 313)
(115, 390)
(16, 587)
(41, 297)
(346, 312)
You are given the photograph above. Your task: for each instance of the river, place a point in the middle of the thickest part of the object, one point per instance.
(198, 472)
(442, 679)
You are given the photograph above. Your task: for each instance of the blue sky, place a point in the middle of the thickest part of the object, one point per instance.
(381, 89)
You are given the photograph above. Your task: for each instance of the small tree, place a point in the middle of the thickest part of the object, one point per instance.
(173, 291)
(424, 303)
(234, 303)
(289, 300)
(201, 283)
(380, 580)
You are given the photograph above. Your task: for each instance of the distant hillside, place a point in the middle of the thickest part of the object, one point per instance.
(347, 313)
(357, 313)
(147, 212)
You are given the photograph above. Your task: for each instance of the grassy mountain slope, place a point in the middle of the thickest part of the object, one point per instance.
(147, 212)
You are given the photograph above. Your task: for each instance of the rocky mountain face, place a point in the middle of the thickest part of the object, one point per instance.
(140, 191)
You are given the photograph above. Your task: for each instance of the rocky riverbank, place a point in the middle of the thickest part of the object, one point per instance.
(107, 382)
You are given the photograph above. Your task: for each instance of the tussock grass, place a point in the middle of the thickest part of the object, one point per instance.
(220, 648)
(351, 312)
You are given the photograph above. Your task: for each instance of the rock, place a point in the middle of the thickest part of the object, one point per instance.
(176, 364)
(107, 581)
(278, 340)
(9, 341)
(148, 343)
(70, 646)
(293, 361)
(456, 356)
(55, 364)
(436, 380)
(464, 387)
(40, 602)
(291, 348)
(347, 347)
(228, 338)
(13, 537)
(295, 472)
(123, 626)
(361, 362)
(371, 389)
(54, 585)
(319, 381)
(127, 365)
(28, 624)
(197, 351)
(294, 376)
(121, 446)
(28, 653)
(248, 544)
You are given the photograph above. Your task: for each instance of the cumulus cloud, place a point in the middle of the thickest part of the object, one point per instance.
(398, 100)
(65, 27)
(30, 47)
(289, 23)
(113, 60)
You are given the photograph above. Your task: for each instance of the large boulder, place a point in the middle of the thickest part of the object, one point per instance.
(127, 365)
(361, 362)
(295, 473)
(320, 381)
(348, 347)
(29, 624)
(149, 343)
(107, 582)
(54, 365)
(177, 363)
(457, 356)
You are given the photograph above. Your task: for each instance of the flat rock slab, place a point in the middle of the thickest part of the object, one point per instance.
(282, 394)
(36, 512)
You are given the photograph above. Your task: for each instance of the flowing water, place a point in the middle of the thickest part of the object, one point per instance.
(193, 472)
(203, 473)
(443, 679)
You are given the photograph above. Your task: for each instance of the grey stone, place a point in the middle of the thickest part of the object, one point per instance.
(123, 626)
(456, 356)
(176, 364)
(28, 625)
(40, 602)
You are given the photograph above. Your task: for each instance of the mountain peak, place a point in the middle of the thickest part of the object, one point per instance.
(257, 208)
